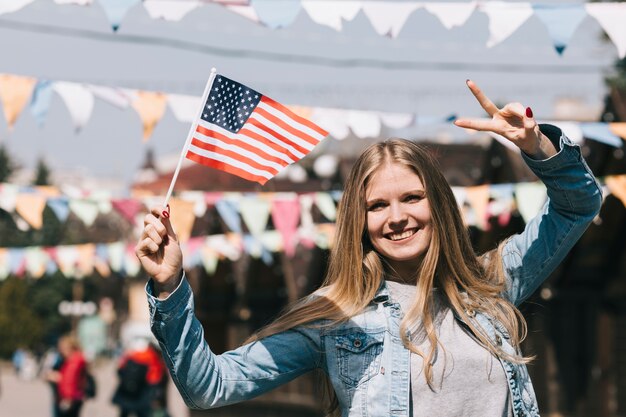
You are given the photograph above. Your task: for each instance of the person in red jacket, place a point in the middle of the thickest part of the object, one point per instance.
(142, 382)
(70, 378)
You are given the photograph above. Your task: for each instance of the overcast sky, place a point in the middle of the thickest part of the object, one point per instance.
(421, 72)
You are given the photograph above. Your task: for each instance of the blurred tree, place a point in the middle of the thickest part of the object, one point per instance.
(7, 166)
(19, 325)
(42, 176)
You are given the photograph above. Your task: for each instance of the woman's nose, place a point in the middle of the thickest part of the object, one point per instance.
(396, 214)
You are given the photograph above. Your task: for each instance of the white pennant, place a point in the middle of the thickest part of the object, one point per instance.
(332, 120)
(114, 96)
(13, 5)
(612, 18)
(78, 2)
(331, 13)
(364, 124)
(246, 11)
(389, 18)
(78, 99)
(504, 19)
(255, 213)
(8, 197)
(530, 198)
(170, 10)
(396, 120)
(185, 108)
(451, 14)
(86, 210)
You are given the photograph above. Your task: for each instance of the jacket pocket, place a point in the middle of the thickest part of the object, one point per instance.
(358, 355)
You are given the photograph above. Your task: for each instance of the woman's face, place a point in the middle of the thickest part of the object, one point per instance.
(398, 215)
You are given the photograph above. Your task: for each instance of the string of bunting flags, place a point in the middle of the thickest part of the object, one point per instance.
(19, 93)
(245, 215)
(386, 17)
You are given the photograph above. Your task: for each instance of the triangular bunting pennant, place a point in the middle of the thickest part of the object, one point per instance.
(530, 198)
(184, 108)
(5, 270)
(326, 205)
(210, 260)
(86, 210)
(182, 218)
(561, 20)
(13, 5)
(611, 17)
(114, 96)
(228, 209)
(150, 107)
(15, 92)
(478, 198)
(255, 213)
(504, 19)
(171, 10)
(8, 197)
(40, 101)
(617, 186)
(451, 14)
(128, 208)
(276, 13)
(618, 129)
(30, 206)
(388, 18)
(600, 132)
(364, 124)
(285, 216)
(331, 13)
(115, 10)
(78, 99)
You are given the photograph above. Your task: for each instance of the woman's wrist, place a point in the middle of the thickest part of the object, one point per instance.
(163, 289)
(543, 148)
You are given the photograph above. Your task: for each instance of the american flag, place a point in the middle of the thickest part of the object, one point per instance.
(245, 133)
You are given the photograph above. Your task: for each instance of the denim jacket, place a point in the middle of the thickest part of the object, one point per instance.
(364, 357)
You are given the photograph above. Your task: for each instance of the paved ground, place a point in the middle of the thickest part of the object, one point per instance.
(19, 398)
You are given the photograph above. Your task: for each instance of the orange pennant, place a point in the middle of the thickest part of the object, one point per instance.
(151, 107)
(30, 206)
(618, 129)
(617, 186)
(182, 218)
(15, 92)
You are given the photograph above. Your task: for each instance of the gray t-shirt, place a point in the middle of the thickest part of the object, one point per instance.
(468, 382)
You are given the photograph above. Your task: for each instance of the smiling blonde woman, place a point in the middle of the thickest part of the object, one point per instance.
(409, 321)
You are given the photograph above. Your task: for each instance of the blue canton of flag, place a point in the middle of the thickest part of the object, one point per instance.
(230, 104)
(245, 133)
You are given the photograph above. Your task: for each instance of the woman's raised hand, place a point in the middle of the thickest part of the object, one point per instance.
(159, 252)
(513, 121)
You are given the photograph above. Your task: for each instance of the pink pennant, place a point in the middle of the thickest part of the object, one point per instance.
(286, 216)
(211, 198)
(128, 208)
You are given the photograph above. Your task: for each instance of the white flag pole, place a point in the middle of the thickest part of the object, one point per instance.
(192, 129)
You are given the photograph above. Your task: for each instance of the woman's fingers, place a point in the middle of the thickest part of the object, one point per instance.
(163, 215)
(484, 102)
(477, 124)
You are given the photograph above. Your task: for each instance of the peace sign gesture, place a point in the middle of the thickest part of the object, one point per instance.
(513, 121)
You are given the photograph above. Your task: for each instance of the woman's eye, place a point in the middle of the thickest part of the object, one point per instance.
(375, 206)
(414, 197)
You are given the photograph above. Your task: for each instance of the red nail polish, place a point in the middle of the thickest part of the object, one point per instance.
(529, 113)
(166, 214)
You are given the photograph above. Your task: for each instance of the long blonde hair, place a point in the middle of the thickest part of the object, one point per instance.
(469, 284)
